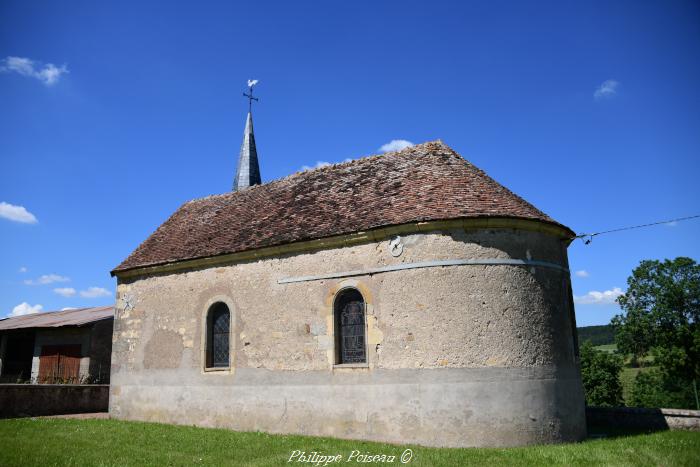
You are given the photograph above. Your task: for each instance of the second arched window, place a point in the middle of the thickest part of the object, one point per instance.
(218, 331)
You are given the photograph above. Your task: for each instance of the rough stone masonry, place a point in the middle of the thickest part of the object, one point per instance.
(469, 326)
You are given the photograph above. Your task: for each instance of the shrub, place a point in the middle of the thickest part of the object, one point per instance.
(600, 372)
(655, 390)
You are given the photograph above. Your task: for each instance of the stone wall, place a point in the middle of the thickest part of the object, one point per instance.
(22, 400)
(642, 419)
(457, 355)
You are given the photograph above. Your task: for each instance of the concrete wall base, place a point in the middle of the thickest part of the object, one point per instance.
(435, 407)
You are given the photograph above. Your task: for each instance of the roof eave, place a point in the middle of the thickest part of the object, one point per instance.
(374, 234)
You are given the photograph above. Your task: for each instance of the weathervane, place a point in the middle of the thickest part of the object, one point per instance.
(249, 95)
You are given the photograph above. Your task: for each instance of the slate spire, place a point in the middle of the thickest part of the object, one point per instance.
(248, 170)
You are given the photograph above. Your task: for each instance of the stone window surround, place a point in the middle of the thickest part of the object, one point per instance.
(226, 300)
(349, 285)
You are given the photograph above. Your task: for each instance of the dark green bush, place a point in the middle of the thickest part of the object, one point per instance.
(655, 390)
(600, 372)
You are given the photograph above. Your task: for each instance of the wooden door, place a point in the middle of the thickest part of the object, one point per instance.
(59, 364)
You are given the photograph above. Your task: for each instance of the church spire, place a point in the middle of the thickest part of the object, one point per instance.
(248, 170)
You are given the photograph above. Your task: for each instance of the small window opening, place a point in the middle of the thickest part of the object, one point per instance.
(218, 332)
(349, 311)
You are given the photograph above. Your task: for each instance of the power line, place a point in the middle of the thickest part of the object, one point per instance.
(589, 236)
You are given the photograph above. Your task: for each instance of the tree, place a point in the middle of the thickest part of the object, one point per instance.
(653, 389)
(660, 316)
(600, 372)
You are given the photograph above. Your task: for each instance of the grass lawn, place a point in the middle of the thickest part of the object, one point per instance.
(610, 348)
(627, 379)
(48, 442)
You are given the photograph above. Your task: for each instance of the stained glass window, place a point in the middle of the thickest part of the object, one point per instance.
(350, 327)
(218, 331)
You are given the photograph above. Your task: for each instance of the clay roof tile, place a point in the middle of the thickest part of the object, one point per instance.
(425, 182)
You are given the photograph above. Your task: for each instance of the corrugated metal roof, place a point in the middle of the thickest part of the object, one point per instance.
(55, 319)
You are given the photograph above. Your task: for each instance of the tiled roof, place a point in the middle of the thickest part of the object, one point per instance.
(421, 183)
(55, 319)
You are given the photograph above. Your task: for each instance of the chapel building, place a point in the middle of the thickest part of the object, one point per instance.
(405, 297)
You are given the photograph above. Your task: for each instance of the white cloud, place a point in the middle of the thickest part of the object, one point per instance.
(25, 308)
(606, 90)
(582, 273)
(49, 74)
(23, 269)
(68, 308)
(95, 292)
(318, 165)
(671, 224)
(16, 213)
(594, 297)
(65, 291)
(395, 145)
(47, 279)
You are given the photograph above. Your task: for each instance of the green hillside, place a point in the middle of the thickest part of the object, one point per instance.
(597, 335)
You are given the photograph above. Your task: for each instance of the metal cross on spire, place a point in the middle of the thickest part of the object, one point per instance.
(248, 170)
(249, 95)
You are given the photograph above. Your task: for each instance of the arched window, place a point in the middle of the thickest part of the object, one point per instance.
(349, 311)
(218, 331)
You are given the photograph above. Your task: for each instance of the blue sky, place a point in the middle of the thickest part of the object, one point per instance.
(115, 113)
